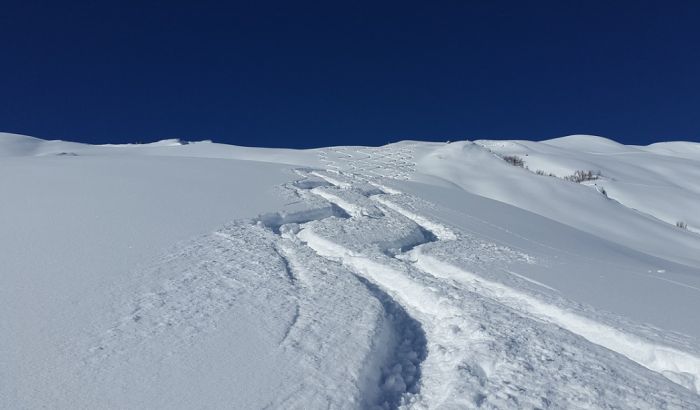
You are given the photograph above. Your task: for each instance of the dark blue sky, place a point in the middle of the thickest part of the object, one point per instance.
(302, 74)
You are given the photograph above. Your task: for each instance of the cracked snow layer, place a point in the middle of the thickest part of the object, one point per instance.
(353, 203)
(337, 326)
(680, 367)
(476, 355)
(339, 344)
(482, 352)
(393, 348)
(372, 305)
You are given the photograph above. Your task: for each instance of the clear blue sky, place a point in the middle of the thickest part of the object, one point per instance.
(302, 74)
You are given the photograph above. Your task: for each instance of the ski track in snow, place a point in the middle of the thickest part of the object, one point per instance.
(379, 315)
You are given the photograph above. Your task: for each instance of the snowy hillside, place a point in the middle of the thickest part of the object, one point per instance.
(487, 274)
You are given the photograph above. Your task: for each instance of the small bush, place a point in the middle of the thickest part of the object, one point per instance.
(543, 173)
(682, 225)
(514, 160)
(580, 176)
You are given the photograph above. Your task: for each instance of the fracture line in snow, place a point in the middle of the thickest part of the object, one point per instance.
(442, 232)
(352, 209)
(399, 353)
(435, 313)
(388, 190)
(680, 367)
(331, 180)
(393, 371)
(402, 278)
(525, 278)
(374, 271)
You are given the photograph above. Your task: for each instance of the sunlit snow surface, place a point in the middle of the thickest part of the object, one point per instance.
(414, 275)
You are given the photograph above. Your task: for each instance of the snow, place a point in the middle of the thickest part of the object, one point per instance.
(661, 188)
(414, 275)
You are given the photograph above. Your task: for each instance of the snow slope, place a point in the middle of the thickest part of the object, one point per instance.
(659, 181)
(414, 275)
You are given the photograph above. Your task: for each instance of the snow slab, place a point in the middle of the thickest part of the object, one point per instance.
(414, 275)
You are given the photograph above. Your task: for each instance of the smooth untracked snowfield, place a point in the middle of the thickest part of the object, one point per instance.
(485, 274)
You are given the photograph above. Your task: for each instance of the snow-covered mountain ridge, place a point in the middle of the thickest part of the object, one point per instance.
(416, 275)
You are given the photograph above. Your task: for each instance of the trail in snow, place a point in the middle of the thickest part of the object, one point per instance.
(376, 314)
(681, 367)
(470, 354)
(343, 343)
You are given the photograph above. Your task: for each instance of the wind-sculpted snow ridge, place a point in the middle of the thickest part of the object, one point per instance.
(489, 345)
